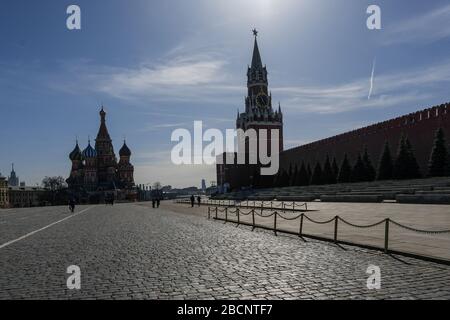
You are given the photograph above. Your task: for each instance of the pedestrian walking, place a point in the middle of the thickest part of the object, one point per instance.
(192, 201)
(153, 202)
(199, 200)
(158, 200)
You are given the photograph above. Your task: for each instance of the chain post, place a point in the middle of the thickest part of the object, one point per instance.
(300, 232)
(253, 219)
(335, 228)
(386, 236)
(275, 222)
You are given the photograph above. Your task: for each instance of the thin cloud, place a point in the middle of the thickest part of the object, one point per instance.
(183, 78)
(393, 89)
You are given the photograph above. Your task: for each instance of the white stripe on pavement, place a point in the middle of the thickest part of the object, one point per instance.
(42, 229)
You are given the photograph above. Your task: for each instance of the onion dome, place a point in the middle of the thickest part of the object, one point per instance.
(76, 153)
(89, 152)
(124, 151)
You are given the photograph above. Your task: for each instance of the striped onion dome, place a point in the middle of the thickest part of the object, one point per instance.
(76, 153)
(89, 152)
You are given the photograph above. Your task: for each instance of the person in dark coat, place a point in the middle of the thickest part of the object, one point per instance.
(153, 202)
(72, 204)
(199, 200)
(192, 201)
(158, 200)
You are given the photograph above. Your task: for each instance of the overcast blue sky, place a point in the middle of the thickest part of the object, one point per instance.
(160, 65)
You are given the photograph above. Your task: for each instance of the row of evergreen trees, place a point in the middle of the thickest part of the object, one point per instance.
(403, 166)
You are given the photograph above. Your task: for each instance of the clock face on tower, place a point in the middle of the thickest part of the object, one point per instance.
(262, 100)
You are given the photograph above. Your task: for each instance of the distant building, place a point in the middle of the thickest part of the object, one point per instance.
(21, 197)
(203, 185)
(4, 195)
(13, 179)
(95, 169)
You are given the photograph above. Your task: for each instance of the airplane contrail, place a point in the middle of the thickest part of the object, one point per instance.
(371, 79)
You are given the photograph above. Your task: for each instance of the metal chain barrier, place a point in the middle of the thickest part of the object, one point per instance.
(291, 218)
(335, 219)
(319, 222)
(419, 230)
(268, 216)
(362, 226)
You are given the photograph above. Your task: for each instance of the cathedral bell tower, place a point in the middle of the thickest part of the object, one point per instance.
(106, 159)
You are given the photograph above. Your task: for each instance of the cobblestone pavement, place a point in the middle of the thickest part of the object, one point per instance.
(132, 251)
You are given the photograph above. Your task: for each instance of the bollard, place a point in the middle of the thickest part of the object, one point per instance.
(216, 213)
(386, 236)
(226, 214)
(209, 213)
(237, 211)
(335, 228)
(300, 232)
(275, 223)
(253, 219)
(293, 206)
(306, 206)
(271, 205)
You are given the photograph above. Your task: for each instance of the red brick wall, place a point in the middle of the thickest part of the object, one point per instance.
(419, 127)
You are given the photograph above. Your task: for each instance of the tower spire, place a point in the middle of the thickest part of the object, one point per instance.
(256, 59)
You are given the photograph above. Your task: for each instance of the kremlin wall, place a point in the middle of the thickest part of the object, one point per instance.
(420, 128)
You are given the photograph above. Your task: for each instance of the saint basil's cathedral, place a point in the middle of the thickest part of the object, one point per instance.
(95, 169)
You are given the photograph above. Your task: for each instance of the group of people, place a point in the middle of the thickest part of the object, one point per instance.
(199, 200)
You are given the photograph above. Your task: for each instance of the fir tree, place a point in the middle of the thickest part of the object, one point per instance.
(401, 162)
(335, 168)
(302, 177)
(345, 171)
(309, 173)
(413, 166)
(328, 177)
(292, 178)
(257, 178)
(369, 170)
(405, 166)
(276, 179)
(358, 171)
(438, 164)
(285, 179)
(385, 167)
(316, 177)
